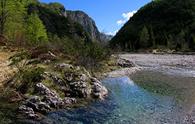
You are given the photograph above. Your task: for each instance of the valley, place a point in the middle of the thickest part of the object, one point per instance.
(97, 62)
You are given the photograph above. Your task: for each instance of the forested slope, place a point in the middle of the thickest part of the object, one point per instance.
(161, 23)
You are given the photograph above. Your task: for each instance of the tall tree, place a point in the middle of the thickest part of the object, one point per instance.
(152, 38)
(144, 37)
(36, 31)
(181, 41)
(15, 23)
(3, 15)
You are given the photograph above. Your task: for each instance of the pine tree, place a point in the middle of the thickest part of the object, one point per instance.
(152, 38)
(36, 32)
(144, 37)
(181, 40)
(170, 41)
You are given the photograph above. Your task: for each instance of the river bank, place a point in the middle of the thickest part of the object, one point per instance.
(164, 73)
(171, 64)
(33, 87)
(163, 61)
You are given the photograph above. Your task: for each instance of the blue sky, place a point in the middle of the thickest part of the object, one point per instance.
(109, 15)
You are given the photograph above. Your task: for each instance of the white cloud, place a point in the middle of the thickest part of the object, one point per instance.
(126, 17)
(112, 33)
(120, 22)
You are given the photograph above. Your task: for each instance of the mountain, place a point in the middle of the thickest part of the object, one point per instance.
(105, 37)
(63, 22)
(159, 24)
(54, 18)
(88, 24)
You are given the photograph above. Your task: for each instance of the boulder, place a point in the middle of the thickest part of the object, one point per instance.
(190, 118)
(63, 66)
(43, 90)
(125, 63)
(43, 107)
(95, 81)
(69, 77)
(27, 111)
(69, 101)
(54, 102)
(98, 90)
(74, 83)
(80, 89)
(37, 104)
(55, 78)
(84, 77)
(34, 99)
(32, 105)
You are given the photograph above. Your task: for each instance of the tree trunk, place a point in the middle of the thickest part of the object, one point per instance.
(3, 16)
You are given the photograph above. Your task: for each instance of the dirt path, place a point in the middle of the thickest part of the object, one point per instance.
(5, 70)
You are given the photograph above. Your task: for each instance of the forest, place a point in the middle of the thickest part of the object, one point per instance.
(31, 24)
(160, 24)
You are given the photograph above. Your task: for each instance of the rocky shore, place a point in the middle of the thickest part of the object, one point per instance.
(67, 85)
(127, 67)
(74, 85)
(64, 85)
(190, 119)
(156, 60)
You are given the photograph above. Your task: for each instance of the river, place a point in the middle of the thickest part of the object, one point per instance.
(162, 93)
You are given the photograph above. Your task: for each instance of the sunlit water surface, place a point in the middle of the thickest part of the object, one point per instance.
(127, 103)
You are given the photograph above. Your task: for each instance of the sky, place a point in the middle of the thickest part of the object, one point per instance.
(109, 15)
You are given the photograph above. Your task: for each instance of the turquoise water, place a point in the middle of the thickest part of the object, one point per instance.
(127, 103)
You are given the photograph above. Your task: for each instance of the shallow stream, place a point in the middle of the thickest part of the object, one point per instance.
(151, 97)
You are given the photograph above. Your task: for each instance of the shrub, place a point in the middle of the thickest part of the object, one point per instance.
(30, 76)
(91, 55)
(36, 31)
(20, 60)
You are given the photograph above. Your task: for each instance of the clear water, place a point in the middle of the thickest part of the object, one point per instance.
(127, 103)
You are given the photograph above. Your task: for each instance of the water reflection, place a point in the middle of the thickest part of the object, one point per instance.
(126, 104)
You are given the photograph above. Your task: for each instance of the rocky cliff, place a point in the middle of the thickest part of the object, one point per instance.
(62, 22)
(88, 24)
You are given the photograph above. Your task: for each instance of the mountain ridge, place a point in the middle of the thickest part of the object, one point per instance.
(88, 23)
(162, 23)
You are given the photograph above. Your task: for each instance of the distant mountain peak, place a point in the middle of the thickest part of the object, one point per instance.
(88, 24)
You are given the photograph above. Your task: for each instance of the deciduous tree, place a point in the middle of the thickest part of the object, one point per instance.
(35, 30)
(3, 15)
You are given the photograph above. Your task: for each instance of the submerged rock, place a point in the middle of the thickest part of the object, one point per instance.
(190, 119)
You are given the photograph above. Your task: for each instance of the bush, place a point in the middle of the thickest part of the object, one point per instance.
(91, 55)
(20, 60)
(30, 76)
